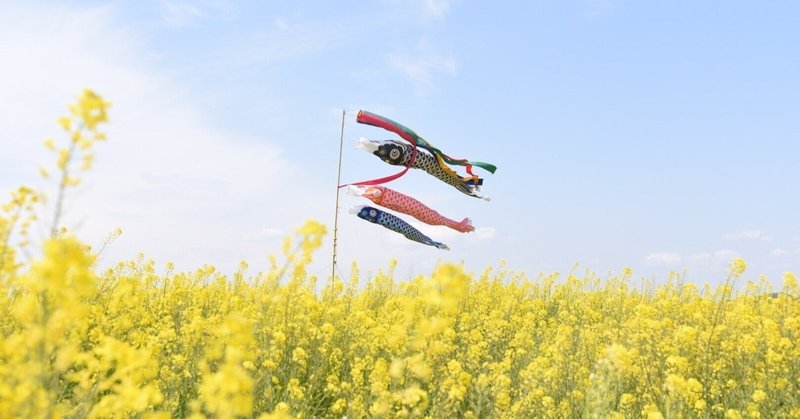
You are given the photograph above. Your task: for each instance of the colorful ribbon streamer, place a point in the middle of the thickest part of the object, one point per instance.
(376, 120)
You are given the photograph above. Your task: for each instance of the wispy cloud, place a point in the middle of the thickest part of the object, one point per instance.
(187, 189)
(725, 255)
(287, 39)
(599, 9)
(188, 12)
(783, 252)
(747, 235)
(701, 257)
(485, 233)
(454, 238)
(424, 10)
(422, 67)
(779, 252)
(435, 8)
(663, 259)
(716, 257)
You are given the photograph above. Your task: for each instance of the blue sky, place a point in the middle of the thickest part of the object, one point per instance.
(660, 136)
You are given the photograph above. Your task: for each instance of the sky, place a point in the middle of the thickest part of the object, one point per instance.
(660, 136)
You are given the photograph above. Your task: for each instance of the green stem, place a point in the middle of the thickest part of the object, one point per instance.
(726, 292)
(7, 238)
(62, 186)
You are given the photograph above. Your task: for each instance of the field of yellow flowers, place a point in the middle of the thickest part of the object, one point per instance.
(140, 341)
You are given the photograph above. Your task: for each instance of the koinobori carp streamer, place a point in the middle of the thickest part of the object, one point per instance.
(441, 159)
(400, 154)
(416, 153)
(376, 120)
(405, 204)
(395, 224)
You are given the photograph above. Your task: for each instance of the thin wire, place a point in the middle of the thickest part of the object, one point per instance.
(336, 214)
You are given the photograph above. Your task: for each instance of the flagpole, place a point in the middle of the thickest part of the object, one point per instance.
(336, 214)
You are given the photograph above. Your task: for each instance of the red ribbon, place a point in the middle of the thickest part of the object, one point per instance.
(387, 179)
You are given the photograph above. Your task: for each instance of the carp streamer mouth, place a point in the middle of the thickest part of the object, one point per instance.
(356, 209)
(367, 145)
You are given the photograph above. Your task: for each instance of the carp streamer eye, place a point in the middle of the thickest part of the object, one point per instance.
(394, 154)
(376, 192)
(373, 213)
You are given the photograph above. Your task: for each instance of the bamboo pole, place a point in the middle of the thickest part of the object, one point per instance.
(336, 214)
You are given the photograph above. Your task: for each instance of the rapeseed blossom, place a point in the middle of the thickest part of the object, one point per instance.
(137, 340)
(133, 340)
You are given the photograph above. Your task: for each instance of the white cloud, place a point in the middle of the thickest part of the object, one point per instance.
(436, 8)
(780, 252)
(598, 9)
(699, 257)
(663, 259)
(187, 12)
(289, 40)
(747, 235)
(181, 188)
(725, 255)
(422, 67)
(281, 24)
(485, 233)
(423, 10)
(458, 240)
(783, 252)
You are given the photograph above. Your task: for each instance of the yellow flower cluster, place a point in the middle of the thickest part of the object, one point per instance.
(82, 125)
(16, 217)
(137, 341)
(134, 341)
